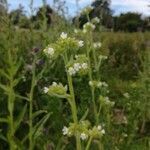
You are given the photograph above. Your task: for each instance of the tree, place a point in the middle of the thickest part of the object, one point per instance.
(17, 14)
(43, 15)
(129, 22)
(101, 9)
(3, 7)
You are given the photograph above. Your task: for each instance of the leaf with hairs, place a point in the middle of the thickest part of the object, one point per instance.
(39, 126)
(3, 120)
(85, 115)
(37, 113)
(3, 73)
(20, 117)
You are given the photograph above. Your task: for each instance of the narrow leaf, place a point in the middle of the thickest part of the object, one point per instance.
(37, 113)
(20, 117)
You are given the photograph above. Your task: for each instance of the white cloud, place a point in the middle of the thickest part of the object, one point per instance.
(140, 6)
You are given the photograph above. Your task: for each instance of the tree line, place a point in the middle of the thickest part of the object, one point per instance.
(128, 22)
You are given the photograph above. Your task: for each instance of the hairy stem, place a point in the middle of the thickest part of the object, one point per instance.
(73, 103)
(31, 108)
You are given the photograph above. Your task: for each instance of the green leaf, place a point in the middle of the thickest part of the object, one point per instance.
(20, 117)
(3, 120)
(5, 88)
(38, 113)
(2, 72)
(85, 115)
(16, 81)
(22, 97)
(3, 137)
(39, 126)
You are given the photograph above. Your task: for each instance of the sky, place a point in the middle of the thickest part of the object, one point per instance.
(118, 6)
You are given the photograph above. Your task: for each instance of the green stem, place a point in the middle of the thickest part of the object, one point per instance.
(10, 109)
(31, 108)
(89, 143)
(73, 103)
(92, 89)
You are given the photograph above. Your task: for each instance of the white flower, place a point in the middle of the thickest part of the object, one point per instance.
(50, 51)
(103, 131)
(76, 31)
(126, 95)
(63, 35)
(81, 43)
(84, 66)
(96, 20)
(46, 89)
(83, 136)
(54, 84)
(90, 83)
(93, 26)
(65, 130)
(97, 45)
(77, 67)
(104, 84)
(99, 84)
(84, 31)
(87, 26)
(99, 127)
(71, 71)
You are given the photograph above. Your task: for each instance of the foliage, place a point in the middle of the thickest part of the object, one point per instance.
(105, 104)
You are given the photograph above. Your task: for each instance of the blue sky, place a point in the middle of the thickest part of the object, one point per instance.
(117, 6)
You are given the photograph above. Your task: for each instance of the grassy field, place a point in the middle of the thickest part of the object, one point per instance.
(65, 90)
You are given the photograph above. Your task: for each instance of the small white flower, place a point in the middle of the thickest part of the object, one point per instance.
(97, 45)
(65, 130)
(96, 19)
(63, 35)
(99, 84)
(99, 127)
(76, 56)
(77, 67)
(66, 87)
(84, 66)
(84, 31)
(93, 26)
(50, 51)
(76, 31)
(54, 84)
(46, 89)
(81, 43)
(90, 83)
(103, 131)
(107, 99)
(126, 95)
(71, 71)
(83, 136)
(105, 84)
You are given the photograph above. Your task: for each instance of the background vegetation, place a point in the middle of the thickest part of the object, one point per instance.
(127, 71)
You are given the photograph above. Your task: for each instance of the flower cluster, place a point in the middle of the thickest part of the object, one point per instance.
(49, 51)
(78, 66)
(96, 20)
(57, 90)
(102, 57)
(83, 128)
(126, 95)
(63, 44)
(88, 27)
(63, 35)
(97, 45)
(98, 84)
(105, 101)
(97, 131)
(81, 43)
(87, 10)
